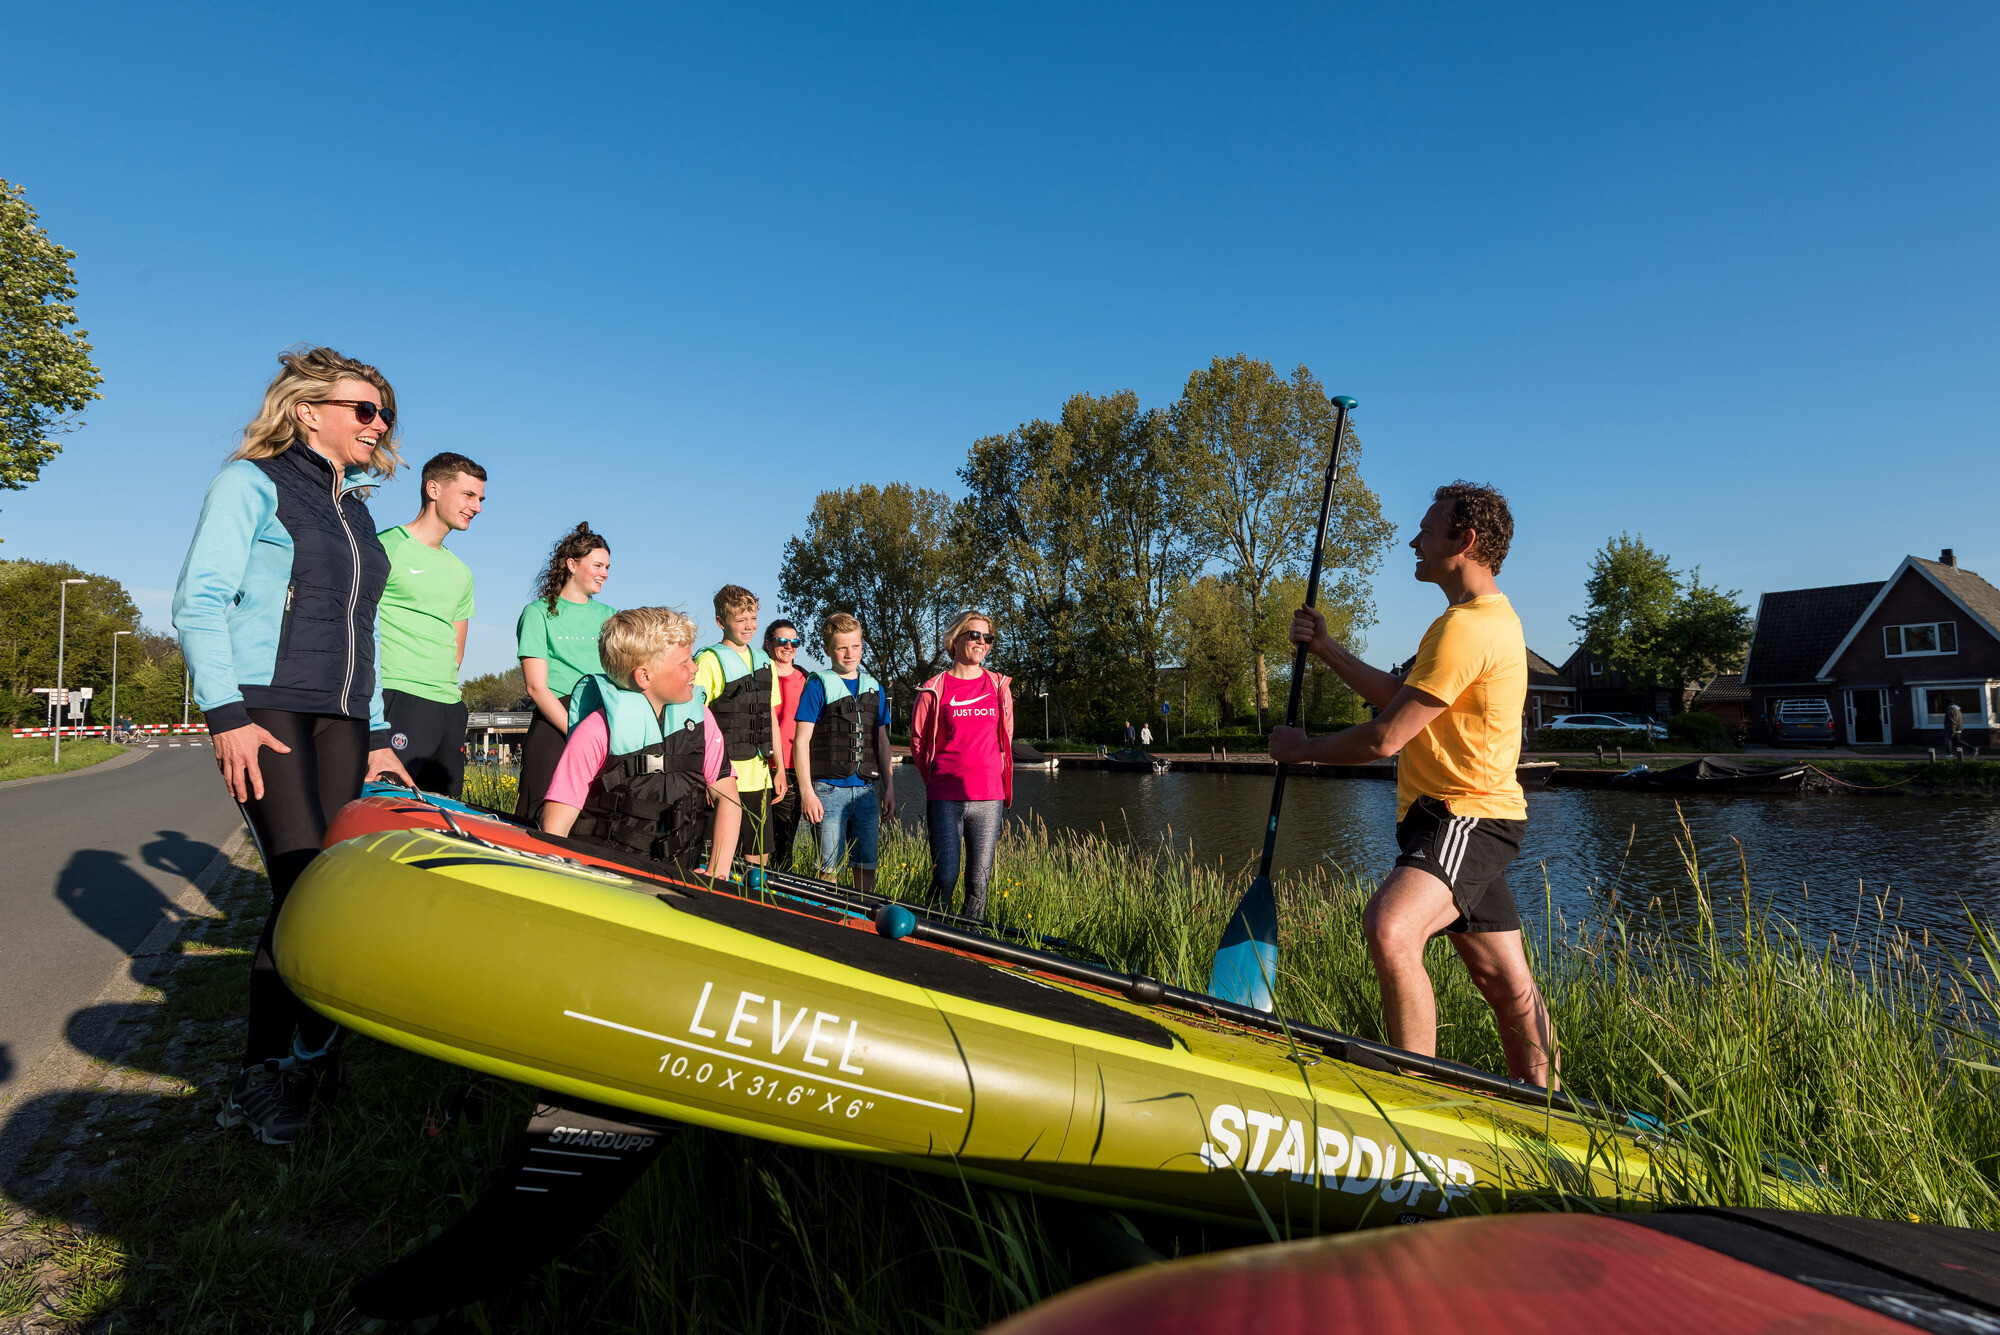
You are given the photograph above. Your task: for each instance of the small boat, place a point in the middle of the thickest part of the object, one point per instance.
(1134, 761)
(1027, 757)
(635, 996)
(1535, 773)
(1717, 774)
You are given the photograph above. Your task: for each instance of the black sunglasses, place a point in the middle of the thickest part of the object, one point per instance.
(983, 636)
(364, 411)
(782, 643)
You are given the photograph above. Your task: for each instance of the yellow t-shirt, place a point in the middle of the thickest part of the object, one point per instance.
(752, 775)
(1475, 659)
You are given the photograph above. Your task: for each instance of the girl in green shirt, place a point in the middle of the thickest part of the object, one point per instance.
(557, 635)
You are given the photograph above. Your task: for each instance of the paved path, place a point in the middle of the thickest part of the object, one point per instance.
(90, 864)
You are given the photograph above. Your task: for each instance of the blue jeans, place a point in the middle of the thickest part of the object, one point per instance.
(853, 825)
(977, 824)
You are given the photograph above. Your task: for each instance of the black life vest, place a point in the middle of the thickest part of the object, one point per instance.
(653, 801)
(743, 709)
(843, 740)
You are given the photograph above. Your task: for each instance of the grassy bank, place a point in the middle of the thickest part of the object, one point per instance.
(30, 757)
(1852, 1059)
(1918, 776)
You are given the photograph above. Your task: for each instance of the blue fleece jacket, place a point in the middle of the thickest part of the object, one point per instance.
(276, 601)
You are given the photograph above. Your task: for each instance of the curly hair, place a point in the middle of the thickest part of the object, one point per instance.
(1483, 510)
(308, 373)
(574, 545)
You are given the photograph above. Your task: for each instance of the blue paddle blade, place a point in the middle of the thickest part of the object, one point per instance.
(1246, 963)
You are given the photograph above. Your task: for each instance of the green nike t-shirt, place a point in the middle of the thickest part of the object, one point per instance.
(428, 594)
(567, 638)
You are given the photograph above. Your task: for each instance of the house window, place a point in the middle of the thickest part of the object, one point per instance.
(1925, 637)
(1596, 668)
(1972, 698)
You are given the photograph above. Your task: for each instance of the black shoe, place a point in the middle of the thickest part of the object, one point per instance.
(269, 1099)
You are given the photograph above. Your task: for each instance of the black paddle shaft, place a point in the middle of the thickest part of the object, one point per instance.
(1292, 698)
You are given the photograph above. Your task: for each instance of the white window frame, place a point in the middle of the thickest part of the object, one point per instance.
(1920, 702)
(1937, 637)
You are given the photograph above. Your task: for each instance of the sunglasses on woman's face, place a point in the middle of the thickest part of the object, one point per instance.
(364, 411)
(982, 636)
(782, 643)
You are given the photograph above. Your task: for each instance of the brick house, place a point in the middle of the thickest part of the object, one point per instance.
(1727, 698)
(1602, 689)
(1549, 692)
(1887, 657)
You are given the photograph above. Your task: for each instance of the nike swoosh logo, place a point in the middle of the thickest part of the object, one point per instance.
(415, 571)
(955, 704)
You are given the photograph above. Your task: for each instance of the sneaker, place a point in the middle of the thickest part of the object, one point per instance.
(268, 1099)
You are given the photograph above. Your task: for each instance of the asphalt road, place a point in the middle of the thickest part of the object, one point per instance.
(89, 864)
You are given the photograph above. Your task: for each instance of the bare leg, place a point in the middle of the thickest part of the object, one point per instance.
(1411, 907)
(1499, 968)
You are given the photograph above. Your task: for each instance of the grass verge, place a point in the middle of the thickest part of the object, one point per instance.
(1855, 1059)
(31, 757)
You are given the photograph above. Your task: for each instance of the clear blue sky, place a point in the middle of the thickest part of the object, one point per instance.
(1723, 275)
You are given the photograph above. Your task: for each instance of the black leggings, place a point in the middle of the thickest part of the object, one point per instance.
(540, 751)
(302, 790)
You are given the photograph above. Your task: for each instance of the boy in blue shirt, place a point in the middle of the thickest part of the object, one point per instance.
(841, 748)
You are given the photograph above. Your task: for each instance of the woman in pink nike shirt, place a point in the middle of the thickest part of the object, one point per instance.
(962, 743)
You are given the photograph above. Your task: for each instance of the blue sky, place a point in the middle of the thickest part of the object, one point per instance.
(1722, 275)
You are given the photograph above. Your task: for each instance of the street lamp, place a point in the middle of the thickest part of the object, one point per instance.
(1045, 713)
(112, 735)
(62, 627)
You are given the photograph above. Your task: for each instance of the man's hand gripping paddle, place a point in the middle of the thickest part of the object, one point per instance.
(1246, 963)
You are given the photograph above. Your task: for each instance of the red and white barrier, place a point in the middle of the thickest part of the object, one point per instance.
(99, 730)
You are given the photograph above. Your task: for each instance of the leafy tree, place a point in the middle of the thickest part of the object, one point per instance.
(1073, 532)
(150, 670)
(882, 553)
(1659, 627)
(497, 690)
(45, 369)
(1252, 450)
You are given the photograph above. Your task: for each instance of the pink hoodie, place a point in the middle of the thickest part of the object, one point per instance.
(926, 736)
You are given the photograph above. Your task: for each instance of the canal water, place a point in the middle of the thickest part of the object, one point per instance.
(1822, 862)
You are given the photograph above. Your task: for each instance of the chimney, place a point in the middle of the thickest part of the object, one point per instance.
(1946, 558)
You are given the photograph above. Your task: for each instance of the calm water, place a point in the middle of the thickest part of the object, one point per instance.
(1814, 858)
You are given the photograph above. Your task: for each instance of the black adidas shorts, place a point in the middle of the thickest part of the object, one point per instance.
(1468, 853)
(428, 736)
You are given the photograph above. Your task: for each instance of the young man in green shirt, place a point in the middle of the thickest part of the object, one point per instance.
(423, 615)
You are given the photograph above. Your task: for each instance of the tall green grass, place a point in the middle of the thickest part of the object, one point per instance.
(1867, 1062)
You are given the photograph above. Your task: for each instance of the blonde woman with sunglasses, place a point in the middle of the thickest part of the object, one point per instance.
(962, 743)
(276, 614)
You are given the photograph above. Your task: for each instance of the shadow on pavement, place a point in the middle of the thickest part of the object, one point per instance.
(110, 897)
(6, 1064)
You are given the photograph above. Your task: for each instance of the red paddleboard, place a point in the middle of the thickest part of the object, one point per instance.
(1713, 1272)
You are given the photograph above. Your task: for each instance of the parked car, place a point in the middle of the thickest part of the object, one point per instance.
(1610, 722)
(1807, 721)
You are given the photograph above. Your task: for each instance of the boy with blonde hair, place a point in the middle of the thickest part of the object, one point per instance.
(840, 748)
(739, 681)
(645, 757)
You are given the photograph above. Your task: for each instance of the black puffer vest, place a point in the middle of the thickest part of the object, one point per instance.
(743, 711)
(326, 646)
(654, 802)
(843, 740)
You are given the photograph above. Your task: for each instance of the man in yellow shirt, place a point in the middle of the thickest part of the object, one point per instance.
(1455, 718)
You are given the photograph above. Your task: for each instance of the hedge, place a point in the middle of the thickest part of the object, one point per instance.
(1589, 739)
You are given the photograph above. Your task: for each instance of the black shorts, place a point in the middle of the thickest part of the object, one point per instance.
(1470, 855)
(428, 736)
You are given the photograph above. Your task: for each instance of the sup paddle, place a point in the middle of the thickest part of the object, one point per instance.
(1246, 963)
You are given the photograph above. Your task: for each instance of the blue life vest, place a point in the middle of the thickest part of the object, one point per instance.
(843, 740)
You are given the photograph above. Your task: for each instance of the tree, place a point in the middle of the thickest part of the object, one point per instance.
(881, 553)
(497, 690)
(1073, 532)
(45, 369)
(1252, 450)
(1658, 627)
(31, 607)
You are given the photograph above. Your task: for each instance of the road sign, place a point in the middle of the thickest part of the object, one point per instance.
(1166, 706)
